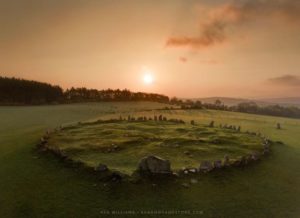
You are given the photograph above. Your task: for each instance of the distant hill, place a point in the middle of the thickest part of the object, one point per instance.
(226, 100)
(295, 101)
(261, 102)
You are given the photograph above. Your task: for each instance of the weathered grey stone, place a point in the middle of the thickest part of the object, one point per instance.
(140, 118)
(101, 168)
(185, 185)
(160, 118)
(278, 126)
(243, 161)
(192, 170)
(206, 166)
(237, 163)
(155, 165)
(254, 156)
(217, 164)
(226, 160)
(266, 151)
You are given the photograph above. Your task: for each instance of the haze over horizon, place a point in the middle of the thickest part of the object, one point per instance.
(184, 48)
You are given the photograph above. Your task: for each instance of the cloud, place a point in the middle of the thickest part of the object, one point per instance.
(182, 59)
(213, 30)
(285, 80)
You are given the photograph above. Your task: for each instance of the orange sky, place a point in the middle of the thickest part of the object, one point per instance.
(193, 48)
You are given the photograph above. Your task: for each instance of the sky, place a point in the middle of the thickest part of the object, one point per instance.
(190, 48)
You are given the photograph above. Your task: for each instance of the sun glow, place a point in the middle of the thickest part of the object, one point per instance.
(148, 76)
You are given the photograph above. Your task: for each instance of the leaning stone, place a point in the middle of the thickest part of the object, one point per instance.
(101, 168)
(206, 166)
(155, 165)
(218, 164)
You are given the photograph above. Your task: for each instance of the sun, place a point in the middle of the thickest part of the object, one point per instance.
(148, 75)
(148, 78)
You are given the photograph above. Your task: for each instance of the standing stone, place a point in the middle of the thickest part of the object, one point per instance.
(254, 156)
(192, 122)
(155, 165)
(226, 160)
(155, 118)
(212, 123)
(278, 126)
(160, 118)
(218, 164)
(101, 168)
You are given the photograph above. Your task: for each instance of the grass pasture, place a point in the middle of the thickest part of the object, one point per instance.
(32, 185)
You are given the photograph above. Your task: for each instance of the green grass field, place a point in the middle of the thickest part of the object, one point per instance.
(121, 144)
(34, 185)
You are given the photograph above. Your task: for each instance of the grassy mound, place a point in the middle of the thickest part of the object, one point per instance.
(121, 144)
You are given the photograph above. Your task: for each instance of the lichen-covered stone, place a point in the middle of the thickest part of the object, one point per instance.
(155, 165)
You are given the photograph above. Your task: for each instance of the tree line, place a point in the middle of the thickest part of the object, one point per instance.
(15, 91)
(244, 107)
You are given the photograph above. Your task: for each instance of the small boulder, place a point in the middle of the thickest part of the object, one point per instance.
(206, 166)
(185, 185)
(192, 170)
(154, 165)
